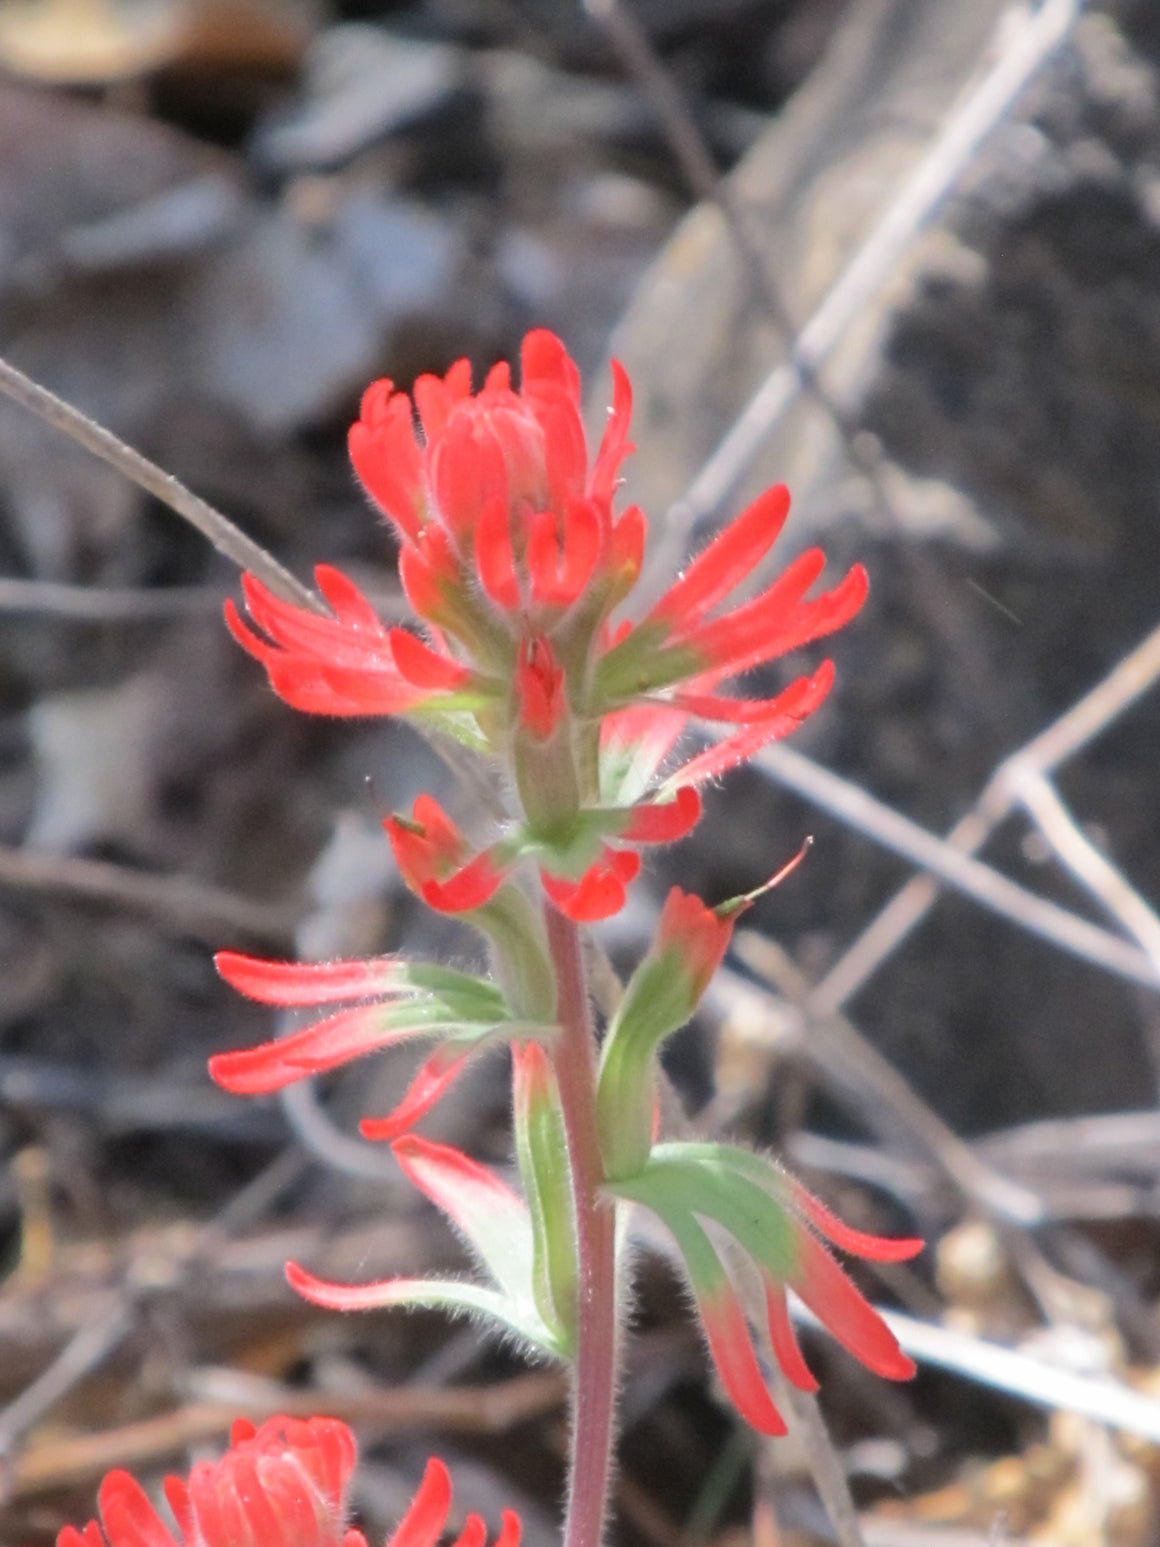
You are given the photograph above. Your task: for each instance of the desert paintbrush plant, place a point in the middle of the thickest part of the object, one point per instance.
(518, 568)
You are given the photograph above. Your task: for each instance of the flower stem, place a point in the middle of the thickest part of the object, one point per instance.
(596, 1331)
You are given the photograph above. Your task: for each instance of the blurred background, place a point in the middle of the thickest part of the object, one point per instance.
(903, 255)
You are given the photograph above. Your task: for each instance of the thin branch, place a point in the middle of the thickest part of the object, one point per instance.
(1095, 870)
(175, 901)
(855, 1067)
(861, 811)
(85, 1351)
(314, 1130)
(1026, 46)
(494, 1409)
(826, 1469)
(105, 604)
(216, 528)
(1033, 1380)
(1128, 681)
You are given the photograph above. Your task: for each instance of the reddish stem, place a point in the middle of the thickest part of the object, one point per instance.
(596, 1332)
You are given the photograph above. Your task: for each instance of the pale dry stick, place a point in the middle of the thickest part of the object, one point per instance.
(1108, 885)
(858, 809)
(813, 1437)
(1023, 1375)
(496, 1409)
(84, 1352)
(105, 604)
(173, 901)
(313, 1127)
(1026, 45)
(1129, 680)
(217, 529)
(691, 150)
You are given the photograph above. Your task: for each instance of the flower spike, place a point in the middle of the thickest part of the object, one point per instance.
(526, 650)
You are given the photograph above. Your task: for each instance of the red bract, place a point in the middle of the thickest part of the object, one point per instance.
(283, 1485)
(503, 478)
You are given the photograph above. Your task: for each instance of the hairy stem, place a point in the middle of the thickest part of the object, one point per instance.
(596, 1332)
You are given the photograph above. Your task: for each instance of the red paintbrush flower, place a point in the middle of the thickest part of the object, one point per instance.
(283, 1485)
(512, 556)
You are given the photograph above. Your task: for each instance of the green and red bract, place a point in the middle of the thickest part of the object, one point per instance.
(525, 650)
(494, 1223)
(283, 1485)
(776, 1223)
(660, 998)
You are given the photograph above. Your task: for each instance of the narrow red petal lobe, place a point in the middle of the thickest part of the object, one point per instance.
(468, 888)
(494, 558)
(545, 361)
(732, 1351)
(474, 1533)
(433, 1080)
(423, 667)
(599, 893)
(790, 707)
(423, 1523)
(346, 601)
(336, 1297)
(308, 983)
(388, 461)
(539, 687)
(434, 402)
(656, 822)
(509, 1536)
(785, 1344)
(756, 623)
(727, 560)
(91, 1536)
(336, 1040)
(427, 847)
(128, 1516)
(455, 1183)
(841, 1308)
(614, 446)
(875, 1248)
(801, 699)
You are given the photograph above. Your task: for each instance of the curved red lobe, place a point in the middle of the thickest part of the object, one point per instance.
(495, 560)
(614, 445)
(468, 888)
(435, 1078)
(386, 458)
(654, 822)
(560, 571)
(423, 1523)
(600, 892)
(424, 668)
(785, 1344)
(727, 560)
